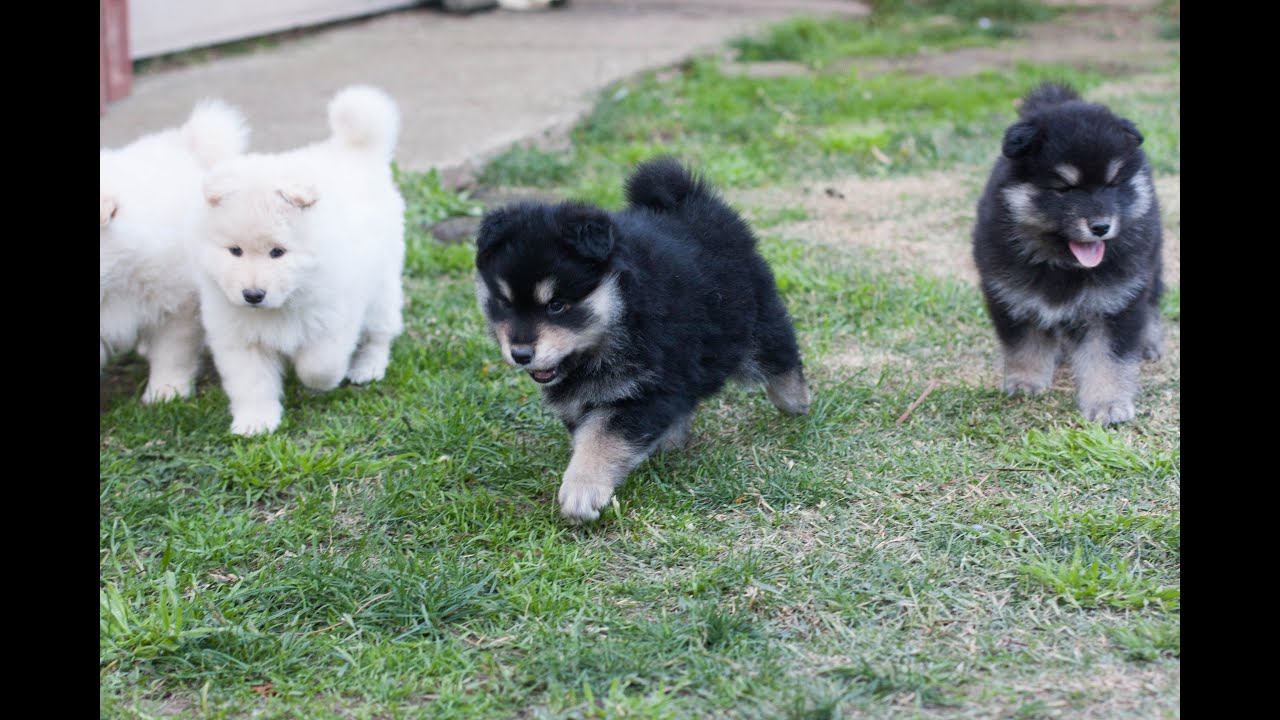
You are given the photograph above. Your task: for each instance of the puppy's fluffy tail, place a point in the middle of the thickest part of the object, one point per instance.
(663, 184)
(215, 131)
(365, 118)
(1046, 95)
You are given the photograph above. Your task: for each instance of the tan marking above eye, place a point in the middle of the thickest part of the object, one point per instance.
(1070, 173)
(1113, 169)
(545, 291)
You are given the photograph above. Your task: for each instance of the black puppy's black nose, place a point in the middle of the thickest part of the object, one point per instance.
(522, 355)
(254, 296)
(1099, 229)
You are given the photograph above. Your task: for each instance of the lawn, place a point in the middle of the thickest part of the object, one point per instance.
(918, 545)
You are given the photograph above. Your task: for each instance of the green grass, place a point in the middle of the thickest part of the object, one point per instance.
(395, 550)
(895, 29)
(747, 132)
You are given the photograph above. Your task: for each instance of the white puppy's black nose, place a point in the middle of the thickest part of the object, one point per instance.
(254, 296)
(522, 354)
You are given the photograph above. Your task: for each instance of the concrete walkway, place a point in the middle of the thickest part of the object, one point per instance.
(469, 86)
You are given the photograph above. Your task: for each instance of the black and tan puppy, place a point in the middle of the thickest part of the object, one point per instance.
(1067, 244)
(629, 319)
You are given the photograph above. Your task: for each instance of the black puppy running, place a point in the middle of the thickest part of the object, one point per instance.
(629, 319)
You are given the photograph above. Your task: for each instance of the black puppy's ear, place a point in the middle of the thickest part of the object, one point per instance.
(1020, 139)
(588, 231)
(492, 228)
(1132, 129)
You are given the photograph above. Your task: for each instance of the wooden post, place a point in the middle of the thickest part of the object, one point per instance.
(115, 65)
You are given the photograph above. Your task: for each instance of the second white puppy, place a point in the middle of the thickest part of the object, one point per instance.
(149, 206)
(300, 261)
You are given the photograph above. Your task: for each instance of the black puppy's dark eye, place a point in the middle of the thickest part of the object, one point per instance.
(555, 307)
(236, 251)
(504, 303)
(277, 252)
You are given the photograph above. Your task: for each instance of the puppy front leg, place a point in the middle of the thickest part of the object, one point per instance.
(1030, 355)
(1107, 381)
(252, 380)
(174, 358)
(602, 457)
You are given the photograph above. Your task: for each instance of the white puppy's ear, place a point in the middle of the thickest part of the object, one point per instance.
(299, 195)
(216, 187)
(107, 210)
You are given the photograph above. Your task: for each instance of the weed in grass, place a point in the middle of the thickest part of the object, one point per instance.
(427, 202)
(1148, 640)
(1091, 450)
(1086, 582)
(529, 167)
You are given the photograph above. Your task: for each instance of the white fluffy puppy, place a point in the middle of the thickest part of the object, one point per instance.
(300, 260)
(151, 203)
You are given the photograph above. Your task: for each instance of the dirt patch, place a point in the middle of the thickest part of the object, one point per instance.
(973, 364)
(922, 222)
(1112, 36)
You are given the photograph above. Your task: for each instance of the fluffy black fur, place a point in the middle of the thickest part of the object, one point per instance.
(1068, 246)
(660, 304)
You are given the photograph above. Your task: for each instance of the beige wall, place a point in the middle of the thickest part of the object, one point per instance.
(163, 26)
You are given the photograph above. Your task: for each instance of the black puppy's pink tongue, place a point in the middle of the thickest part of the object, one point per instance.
(1089, 254)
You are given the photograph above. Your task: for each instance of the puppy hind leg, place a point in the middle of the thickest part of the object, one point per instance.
(371, 358)
(778, 357)
(320, 367)
(1152, 343)
(677, 435)
(174, 358)
(323, 364)
(384, 323)
(788, 391)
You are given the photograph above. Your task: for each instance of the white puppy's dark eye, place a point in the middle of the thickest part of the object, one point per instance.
(277, 252)
(555, 307)
(236, 251)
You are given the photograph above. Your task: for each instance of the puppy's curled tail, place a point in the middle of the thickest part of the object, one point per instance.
(663, 184)
(365, 118)
(215, 131)
(1046, 95)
